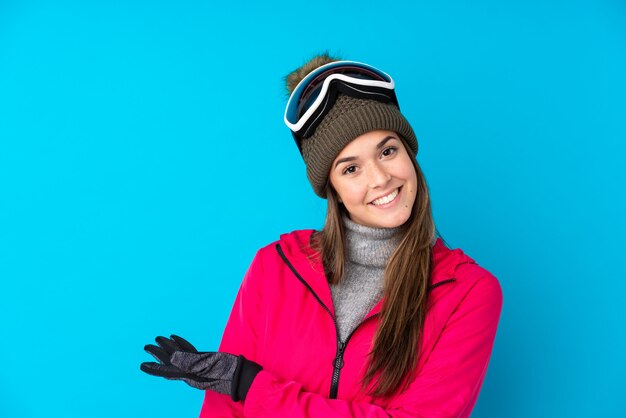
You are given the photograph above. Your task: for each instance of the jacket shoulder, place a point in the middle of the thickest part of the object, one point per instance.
(481, 281)
(294, 244)
(263, 270)
(454, 265)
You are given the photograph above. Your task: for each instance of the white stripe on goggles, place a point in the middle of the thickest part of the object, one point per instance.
(315, 95)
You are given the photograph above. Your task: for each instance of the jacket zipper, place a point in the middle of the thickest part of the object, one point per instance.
(338, 362)
(341, 345)
(337, 366)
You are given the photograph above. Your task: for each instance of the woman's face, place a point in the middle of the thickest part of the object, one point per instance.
(375, 180)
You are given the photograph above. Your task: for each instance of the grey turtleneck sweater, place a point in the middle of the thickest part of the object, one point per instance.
(367, 251)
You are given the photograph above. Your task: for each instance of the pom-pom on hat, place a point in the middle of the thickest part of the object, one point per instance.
(348, 118)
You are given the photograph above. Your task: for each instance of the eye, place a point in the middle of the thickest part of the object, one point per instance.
(388, 151)
(349, 170)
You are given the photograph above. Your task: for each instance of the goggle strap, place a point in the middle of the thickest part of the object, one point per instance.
(316, 117)
(379, 94)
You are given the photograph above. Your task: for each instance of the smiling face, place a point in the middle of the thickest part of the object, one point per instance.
(375, 180)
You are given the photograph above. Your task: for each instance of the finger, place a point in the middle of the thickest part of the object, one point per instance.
(168, 372)
(183, 344)
(158, 353)
(168, 345)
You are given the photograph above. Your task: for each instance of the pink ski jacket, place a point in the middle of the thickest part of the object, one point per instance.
(283, 319)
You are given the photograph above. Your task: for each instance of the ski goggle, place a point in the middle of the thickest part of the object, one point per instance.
(315, 95)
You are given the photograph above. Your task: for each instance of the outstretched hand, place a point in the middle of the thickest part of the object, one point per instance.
(220, 372)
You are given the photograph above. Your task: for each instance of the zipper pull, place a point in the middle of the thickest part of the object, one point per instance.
(338, 363)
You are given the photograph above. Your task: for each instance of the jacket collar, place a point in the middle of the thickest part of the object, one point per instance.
(297, 250)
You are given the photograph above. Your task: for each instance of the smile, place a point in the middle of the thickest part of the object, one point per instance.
(386, 199)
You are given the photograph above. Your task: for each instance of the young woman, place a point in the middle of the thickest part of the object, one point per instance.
(371, 316)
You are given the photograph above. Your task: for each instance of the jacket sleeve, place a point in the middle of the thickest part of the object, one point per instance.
(239, 338)
(447, 385)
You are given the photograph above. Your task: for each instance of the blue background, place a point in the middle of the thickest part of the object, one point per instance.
(143, 161)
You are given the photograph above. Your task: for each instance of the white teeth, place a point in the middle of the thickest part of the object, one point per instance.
(386, 199)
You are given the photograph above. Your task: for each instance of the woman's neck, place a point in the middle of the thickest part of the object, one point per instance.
(369, 246)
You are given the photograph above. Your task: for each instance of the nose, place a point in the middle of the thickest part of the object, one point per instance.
(378, 176)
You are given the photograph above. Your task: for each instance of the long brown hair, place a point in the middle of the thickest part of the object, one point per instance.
(393, 358)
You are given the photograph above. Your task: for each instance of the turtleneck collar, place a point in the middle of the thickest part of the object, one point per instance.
(369, 246)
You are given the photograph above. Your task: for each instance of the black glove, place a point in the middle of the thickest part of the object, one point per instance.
(220, 372)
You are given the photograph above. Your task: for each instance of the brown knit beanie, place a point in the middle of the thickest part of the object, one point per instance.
(347, 119)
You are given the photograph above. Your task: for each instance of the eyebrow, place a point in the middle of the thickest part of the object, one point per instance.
(378, 146)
